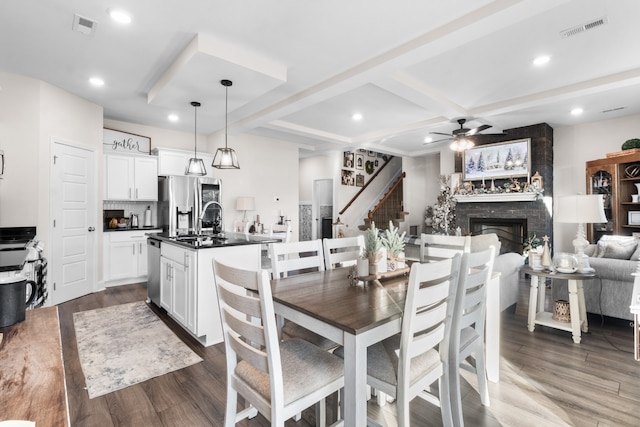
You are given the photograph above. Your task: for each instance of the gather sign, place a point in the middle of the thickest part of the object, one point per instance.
(115, 141)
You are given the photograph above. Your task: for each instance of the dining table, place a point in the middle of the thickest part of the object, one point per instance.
(354, 314)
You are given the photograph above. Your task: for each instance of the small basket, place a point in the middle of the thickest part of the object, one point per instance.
(561, 311)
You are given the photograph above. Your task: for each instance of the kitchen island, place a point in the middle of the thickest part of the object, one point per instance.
(185, 278)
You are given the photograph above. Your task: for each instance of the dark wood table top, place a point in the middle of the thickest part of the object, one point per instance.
(329, 296)
(31, 371)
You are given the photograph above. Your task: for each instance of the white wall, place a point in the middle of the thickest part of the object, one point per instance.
(421, 188)
(573, 146)
(32, 113)
(324, 166)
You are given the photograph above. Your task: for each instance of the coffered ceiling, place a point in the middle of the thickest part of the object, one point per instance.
(302, 68)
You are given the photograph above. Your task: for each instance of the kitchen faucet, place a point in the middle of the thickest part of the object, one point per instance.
(204, 210)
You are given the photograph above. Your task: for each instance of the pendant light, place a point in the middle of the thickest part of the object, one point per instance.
(225, 158)
(196, 165)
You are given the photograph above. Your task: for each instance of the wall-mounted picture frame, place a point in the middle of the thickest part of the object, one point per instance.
(347, 177)
(116, 141)
(502, 160)
(359, 161)
(359, 180)
(455, 181)
(371, 153)
(348, 159)
(375, 163)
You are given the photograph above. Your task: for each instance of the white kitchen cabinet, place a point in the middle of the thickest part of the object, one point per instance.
(174, 162)
(178, 291)
(125, 257)
(131, 178)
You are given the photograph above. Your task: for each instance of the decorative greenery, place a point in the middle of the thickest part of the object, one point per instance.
(631, 143)
(443, 213)
(393, 241)
(368, 167)
(530, 243)
(372, 242)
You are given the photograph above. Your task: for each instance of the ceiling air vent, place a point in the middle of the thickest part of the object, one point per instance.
(584, 27)
(84, 25)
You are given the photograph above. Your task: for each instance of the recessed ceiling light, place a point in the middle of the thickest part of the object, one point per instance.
(541, 60)
(428, 139)
(357, 116)
(577, 111)
(96, 81)
(173, 117)
(119, 16)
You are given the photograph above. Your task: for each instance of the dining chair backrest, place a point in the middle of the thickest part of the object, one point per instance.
(254, 353)
(296, 257)
(423, 349)
(343, 251)
(468, 323)
(281, 231)
(436, 247)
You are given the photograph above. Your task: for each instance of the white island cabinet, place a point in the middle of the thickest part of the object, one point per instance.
(187, 287)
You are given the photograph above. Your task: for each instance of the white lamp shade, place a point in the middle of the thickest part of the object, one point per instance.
(245, 203)
(581, 209)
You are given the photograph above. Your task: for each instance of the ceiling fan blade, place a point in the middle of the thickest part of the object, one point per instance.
(440, 140)
(440, 133)
(477, 130)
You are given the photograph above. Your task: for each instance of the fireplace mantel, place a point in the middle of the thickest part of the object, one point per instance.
(499, 197)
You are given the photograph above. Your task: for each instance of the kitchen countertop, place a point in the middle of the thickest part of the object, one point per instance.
(13, 260)
(131, 229)
(208, 241)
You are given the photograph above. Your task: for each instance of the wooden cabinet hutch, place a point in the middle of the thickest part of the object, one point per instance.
(615, 177)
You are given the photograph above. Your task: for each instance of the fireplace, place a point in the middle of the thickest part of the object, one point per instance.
(510, 231)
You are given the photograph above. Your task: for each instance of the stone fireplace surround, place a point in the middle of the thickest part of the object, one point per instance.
(538, 217)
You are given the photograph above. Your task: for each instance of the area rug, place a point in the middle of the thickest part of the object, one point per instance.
(124, 345)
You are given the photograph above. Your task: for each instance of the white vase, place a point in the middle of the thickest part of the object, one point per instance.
(362, 267)
(638, 187)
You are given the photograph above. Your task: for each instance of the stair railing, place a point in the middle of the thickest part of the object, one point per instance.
(354, 198)
(389, 192)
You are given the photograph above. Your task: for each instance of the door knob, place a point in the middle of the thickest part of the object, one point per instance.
(92, 229)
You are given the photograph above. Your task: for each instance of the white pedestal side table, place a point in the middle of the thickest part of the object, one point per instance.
(577, 308)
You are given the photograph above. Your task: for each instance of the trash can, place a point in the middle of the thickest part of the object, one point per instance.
(12, 299)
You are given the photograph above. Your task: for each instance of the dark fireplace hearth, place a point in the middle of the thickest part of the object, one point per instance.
(510, 231)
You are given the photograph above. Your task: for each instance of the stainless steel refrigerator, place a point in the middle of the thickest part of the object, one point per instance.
(180, 202)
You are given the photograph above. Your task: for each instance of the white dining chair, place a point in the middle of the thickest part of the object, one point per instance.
(343, 251)
(467, 329)
(435, 247)
(288, 259)
(405, 365)
(281, 231)
(277, 379)
(296, 257)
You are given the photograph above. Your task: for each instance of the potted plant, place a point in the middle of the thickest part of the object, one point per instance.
(394, 243)
(373, 248)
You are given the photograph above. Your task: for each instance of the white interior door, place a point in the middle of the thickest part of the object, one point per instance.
(73, 207)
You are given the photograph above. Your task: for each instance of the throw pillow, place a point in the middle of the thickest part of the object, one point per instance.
(616, 249)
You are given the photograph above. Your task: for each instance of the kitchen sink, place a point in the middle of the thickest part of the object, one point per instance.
(201, 239)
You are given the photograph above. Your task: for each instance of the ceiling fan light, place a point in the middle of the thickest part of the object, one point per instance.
(225, 158)
(461, 145)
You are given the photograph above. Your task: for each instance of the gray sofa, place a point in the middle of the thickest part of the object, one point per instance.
(610, 293)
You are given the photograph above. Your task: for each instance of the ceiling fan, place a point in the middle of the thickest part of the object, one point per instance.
(458, 135)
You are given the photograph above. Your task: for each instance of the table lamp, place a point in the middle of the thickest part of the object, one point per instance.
(581, 209)
(245, 204)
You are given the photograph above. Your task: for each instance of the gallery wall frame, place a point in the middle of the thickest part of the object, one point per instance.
(508, 159)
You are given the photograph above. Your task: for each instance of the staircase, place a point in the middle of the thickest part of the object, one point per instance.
(389, 208)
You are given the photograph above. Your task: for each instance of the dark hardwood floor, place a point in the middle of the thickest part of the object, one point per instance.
(545, 379)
